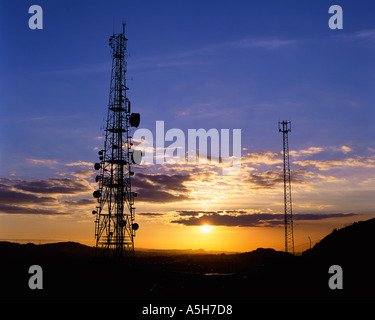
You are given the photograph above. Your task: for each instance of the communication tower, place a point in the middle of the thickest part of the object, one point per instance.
(285, 127)
(115, 213)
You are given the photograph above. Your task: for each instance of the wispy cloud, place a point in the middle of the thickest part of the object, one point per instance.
(304, 152)
(80, 163)
(49, 186)
(271, 178)
(12, 196)
(83, 70)
(358, 161)
(150, 214)
(265, 157)
(44, 197)
(161, 188)
(315, 150)
(189, 186)
(267, 44)
(44, 162)
(366, 36)
(253, 219)
(9, 209)
(53, 163)
(203, 55)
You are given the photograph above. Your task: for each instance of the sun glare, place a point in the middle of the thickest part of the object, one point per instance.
(206, 228)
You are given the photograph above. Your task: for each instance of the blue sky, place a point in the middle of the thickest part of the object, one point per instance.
(193, 64)
(243, 65)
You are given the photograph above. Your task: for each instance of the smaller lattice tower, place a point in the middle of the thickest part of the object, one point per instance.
(115, 213)
(285, 127)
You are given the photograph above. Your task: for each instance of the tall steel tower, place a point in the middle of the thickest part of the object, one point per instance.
(285, 127)
(115, 212)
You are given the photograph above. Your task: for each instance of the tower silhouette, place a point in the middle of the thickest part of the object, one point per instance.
(115, 213)
(285, 127)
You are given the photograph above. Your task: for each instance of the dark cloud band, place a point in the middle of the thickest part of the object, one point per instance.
(249, 219)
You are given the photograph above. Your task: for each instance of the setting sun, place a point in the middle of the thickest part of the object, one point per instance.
(206, 228)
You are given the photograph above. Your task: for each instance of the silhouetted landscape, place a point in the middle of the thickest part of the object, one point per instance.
(71, 271)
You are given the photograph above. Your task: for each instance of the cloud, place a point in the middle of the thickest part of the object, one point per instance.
(161, 188)
(365, 36)
(368, 34)
(169, 182)
(316, 150)
(10, 209)
(150, 214)
(45, 162)
(192, 213)
(50, 162)
(83, 70)
(80, 163)
(346, 149)
(160, 196)
(367, 162)
(9, 196)
(266, 157)
(80, 202)
(266, 180)
(29, 197)
(83, 173)
(269, 179)
(53, 186)
(206, 109)
(268, 44)
(244, 43)
(204, 55)
(256, 219)
(303, 152)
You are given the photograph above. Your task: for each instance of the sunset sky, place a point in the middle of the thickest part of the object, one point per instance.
(193, 64)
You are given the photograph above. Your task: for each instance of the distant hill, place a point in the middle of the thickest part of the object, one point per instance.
(77, 250)
(59, 250)
(166, 252)
(70, 272)
(198, 261)
(356, 240)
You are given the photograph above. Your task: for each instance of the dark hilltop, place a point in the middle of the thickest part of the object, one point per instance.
(71, 271)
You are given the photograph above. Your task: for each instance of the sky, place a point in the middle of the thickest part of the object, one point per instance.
(192, 64)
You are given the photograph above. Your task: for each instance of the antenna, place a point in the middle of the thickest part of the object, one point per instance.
(285, 127)
(115, 213)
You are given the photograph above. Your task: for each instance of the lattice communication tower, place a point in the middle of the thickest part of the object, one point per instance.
(115, 213)
(285, 127)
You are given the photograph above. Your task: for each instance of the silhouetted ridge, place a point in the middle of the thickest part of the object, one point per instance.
(59, 250)
(261, 256)
(351, 241)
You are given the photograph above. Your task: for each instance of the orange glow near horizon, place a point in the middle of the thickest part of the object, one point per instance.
(190, 217)
(161, 235)
(205, 228)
